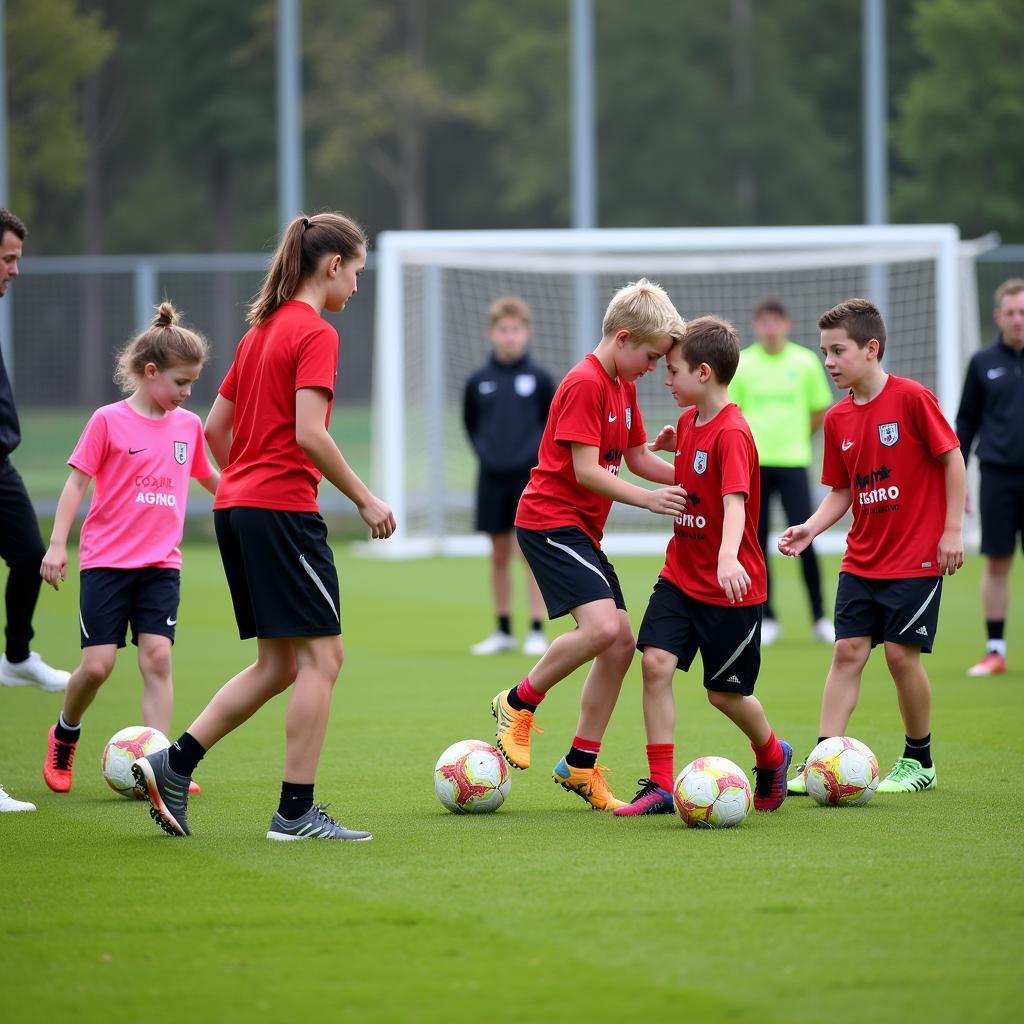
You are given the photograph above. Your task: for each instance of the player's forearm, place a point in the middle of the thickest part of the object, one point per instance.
(646, 464)
(956, 488)
(210, 482)
(733, 521)
(833, 507)
(321, 450)
(600, 481)
(67, 507)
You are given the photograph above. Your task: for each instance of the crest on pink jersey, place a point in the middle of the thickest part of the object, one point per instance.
(180, 452)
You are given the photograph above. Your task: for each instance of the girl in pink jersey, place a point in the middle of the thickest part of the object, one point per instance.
(141, 452)
(268, 431)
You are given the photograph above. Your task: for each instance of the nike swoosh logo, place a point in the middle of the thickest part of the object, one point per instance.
(171, 622)
(996, 372)
(135, 451)
(611, 418)
(847, 445)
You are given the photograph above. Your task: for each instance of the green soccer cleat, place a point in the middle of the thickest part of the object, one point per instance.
(796, 785)
(907, 776)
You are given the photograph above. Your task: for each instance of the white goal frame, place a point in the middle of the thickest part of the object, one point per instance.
(592, 249)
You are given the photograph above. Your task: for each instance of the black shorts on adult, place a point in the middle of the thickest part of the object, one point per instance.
(497, 498)
(903, 611)
(569, 569)
(111, 600)
(728, 637)
(280, 572)
(1002, 509)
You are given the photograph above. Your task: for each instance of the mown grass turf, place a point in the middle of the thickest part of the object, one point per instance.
(909, 909)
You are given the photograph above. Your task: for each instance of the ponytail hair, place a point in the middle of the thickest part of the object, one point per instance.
(306, 241)
(165, 344)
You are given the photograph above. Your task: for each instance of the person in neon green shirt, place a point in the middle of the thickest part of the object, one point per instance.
(783, 393)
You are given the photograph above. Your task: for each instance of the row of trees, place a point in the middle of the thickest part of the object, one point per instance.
(151, 127)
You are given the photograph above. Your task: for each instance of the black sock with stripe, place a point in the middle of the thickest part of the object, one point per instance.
(919, 750)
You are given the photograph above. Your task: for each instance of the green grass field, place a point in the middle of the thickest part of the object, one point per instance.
(909, 909)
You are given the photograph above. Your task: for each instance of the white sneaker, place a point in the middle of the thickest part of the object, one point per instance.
(496, 643)
(535, 643)
(770, 632)
(8, 803)
(824, 631)
(33, 671)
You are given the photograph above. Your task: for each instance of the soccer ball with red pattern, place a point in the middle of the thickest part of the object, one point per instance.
(712, 792)
(471, 777)
(125, 747)
(841, 772)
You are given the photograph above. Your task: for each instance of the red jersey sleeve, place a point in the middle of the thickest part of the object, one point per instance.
(317, 360)
(580, 415)
(91, 450)
(637, 432)
(833, 469)
(736, 459)
(229, 385)
(935, 432)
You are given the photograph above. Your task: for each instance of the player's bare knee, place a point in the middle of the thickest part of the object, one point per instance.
(657, 667)
(96, 667)
(155, 661)
(718, 699)
(851, 652)
(901, 657)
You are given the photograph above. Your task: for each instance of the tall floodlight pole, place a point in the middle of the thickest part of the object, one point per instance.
(876, 136)
(583, 148)
(6, 341)
(289, 110)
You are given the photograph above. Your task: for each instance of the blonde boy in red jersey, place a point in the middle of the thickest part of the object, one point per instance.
(710, 595)
(891, 454)
(593, 426)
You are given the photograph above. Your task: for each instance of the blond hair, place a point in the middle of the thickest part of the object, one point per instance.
(1013, 286)
(508, 305)
(645, 310)
(306, 241)
(164, 344)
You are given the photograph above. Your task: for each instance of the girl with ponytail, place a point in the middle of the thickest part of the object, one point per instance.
(268, 432)
(141, 452)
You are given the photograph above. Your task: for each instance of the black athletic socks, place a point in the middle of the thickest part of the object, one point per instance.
(505, 624)
(296, 799)
(65, 731)
(185, 754)
(536, 625)
(580, 758)
(517, 702)
(920, 750)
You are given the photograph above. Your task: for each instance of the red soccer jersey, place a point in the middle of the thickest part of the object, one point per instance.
(295, 348)
(592, 408)
(713, 460)
(886, 451)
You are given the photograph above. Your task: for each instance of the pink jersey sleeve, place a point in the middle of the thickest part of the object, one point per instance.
(580, 415)
(91, 450)
(833, 469)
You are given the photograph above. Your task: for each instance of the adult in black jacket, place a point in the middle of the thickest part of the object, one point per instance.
(992, 412)
(505, 406)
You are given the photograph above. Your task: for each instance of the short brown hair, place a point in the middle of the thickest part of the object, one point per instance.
(712, 340)
(508, 305)
(773, 307)
(860, 319)
(165, 343)
(9, 222)
(1010, 287)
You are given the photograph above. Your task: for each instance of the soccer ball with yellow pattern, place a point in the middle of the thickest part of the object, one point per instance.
(841, 772)
(712, 792)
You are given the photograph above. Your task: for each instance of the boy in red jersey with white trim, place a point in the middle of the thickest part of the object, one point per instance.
(710, 595)
(891, 454)
(593, 426)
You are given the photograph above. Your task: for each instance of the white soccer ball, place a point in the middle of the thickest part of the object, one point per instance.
(125, 747)
(840, 772)
(471, 777)
(712, 792)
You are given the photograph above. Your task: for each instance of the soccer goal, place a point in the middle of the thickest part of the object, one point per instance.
(434, 289)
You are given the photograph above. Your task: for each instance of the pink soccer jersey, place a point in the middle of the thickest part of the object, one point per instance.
(141, 469)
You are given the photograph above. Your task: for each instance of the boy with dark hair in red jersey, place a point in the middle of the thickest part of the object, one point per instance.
(891, 454)
(711, 592)
(593, 426)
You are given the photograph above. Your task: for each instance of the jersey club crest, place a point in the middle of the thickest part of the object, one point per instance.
(700, 461)
(180, 452)
(629, 417)
(888, 433)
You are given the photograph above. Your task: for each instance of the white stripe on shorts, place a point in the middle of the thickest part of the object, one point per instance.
(319, 584)
(85, 632)
(737, 652)
(920, 611)
(579, 558)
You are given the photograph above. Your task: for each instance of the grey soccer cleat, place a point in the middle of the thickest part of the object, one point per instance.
(314, 824)
(166, 791)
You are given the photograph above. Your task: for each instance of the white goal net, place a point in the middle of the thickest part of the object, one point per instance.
(434, 290)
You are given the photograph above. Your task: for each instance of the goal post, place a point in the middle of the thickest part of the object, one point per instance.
(434, 289)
